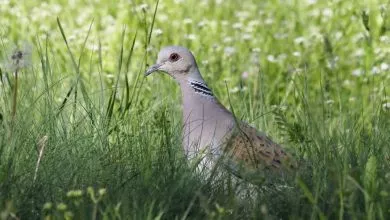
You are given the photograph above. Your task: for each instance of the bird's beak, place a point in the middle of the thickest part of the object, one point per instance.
(153, 68)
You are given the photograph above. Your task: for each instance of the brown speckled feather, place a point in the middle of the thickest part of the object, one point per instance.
(252, 150)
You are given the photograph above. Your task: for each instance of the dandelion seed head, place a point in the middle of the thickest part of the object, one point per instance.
(19, 58)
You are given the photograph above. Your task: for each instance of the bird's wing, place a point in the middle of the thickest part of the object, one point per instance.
(248, 148)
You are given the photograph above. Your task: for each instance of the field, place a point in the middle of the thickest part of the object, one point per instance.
(84, 135)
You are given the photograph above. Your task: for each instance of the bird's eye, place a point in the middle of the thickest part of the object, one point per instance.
(174, 57)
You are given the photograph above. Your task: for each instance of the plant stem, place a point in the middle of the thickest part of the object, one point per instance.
(15, 96)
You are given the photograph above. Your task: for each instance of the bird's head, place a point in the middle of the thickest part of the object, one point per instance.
(177, 61)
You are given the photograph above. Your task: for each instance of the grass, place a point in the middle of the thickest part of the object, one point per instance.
(313, 74)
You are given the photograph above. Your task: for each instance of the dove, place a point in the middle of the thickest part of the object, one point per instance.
(210, 131)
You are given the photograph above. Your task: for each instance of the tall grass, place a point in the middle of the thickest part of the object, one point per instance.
(314, 76)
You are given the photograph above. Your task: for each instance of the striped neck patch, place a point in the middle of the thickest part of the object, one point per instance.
(200, 88)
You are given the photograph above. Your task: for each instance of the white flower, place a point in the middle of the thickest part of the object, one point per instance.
(158, 32)
(359, 52)
(229, 51)
(282, 56)
(110, 76)
(296, 54)
(384, 66)
(378, 51)
(187, 21)
(386, 106)
(246, 36)
(227, 40)
(224, 22)
(253, 23)
(347, 82)
(162, 17)
(269, 21)
(143, 7)
(375, 70)
(190, 36)
(357, 72)
(280, 36)
(271, 58)
(202, 23)
(384, 38)
(327, 12)
(4, 2)
(238, 25)
(256, 50)
(235, 90)
(329, 101)
(338, 35)
(242, 14)
(299, 40)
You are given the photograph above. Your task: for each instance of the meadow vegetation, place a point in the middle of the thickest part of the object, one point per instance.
(83, 135)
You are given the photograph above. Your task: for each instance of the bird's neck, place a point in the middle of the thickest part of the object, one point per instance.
(199, 87)
(195, 94)
(199, 101)
(205, 120)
